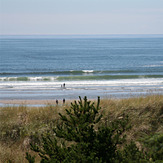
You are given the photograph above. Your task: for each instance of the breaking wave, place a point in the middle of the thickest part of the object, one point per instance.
(60, 73)
(78, 77)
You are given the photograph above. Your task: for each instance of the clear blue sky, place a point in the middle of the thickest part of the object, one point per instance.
(29, 17)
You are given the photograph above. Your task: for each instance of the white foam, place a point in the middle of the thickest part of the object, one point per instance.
(153, 66)
(87, 71)
(42, 78)
(37, 78)
(73, 89)
(32, 84)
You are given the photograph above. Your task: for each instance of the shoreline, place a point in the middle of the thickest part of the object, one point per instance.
(46, 102)
(44, 93)
(34, 103)
(31, 102)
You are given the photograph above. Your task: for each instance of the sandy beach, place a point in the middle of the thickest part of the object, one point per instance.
(29, 102)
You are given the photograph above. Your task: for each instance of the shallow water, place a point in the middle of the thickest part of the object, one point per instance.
(73, 89)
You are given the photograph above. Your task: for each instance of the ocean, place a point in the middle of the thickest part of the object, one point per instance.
(109, 66)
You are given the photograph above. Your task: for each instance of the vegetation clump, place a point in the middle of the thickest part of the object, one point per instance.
(78, 138)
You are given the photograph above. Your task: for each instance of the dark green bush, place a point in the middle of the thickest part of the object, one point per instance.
(154, 145)
(81, 138)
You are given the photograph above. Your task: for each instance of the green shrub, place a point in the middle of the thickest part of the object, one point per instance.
(154, 145)
(81, 138)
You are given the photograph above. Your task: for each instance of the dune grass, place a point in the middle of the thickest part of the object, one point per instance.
(19, 125)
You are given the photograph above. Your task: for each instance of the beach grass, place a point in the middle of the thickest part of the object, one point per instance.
(21, 125)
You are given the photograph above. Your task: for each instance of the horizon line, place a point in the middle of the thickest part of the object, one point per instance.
(70, 34)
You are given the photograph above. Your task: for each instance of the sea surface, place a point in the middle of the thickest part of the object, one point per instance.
(36, 67)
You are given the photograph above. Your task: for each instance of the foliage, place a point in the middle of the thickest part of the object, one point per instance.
(79, 139)
(30, 158)
(131, 153)
(154, 144)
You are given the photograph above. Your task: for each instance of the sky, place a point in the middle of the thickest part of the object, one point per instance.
(59, 17)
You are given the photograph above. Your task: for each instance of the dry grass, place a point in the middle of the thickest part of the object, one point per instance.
(145, 114)
(17, 124)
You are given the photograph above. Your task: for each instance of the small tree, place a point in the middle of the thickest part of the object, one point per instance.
(81, 138)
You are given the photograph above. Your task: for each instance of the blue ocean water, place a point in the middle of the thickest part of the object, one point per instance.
(30, 61)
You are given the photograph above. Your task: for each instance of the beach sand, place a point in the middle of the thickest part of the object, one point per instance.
(35, 102)
(30, 102)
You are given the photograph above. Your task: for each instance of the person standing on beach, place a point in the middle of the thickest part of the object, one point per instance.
(64, 85)
(56, 102)
(63, 101)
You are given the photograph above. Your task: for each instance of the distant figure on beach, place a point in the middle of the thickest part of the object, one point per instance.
(63, 101)
(56, 102)
(64, 85)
